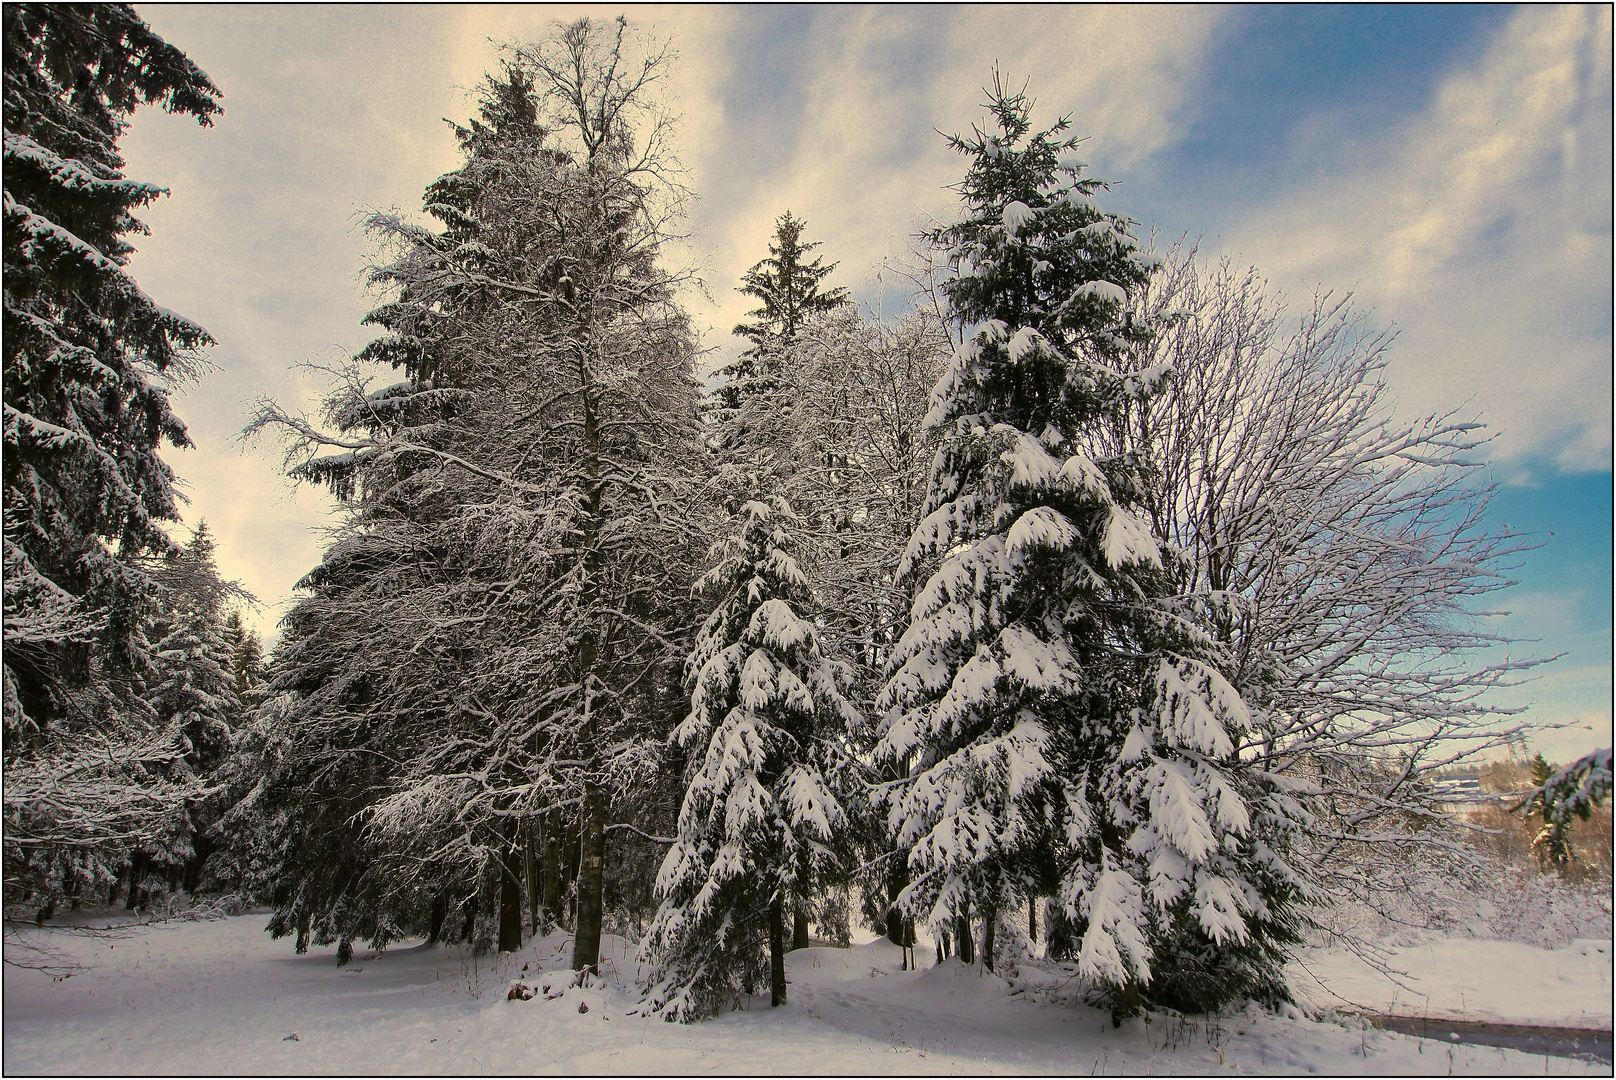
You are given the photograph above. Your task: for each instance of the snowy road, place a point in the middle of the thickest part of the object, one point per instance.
(222, 998)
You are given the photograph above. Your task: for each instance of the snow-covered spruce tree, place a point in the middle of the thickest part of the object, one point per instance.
(854, 393)
(1562, 794)
(762, 815)
(246, 653)
(89, 361)
(1065, 724)
(787, 284)
(193, 687)
(541, 451)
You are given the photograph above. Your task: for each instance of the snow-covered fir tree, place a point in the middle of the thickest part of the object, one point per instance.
(787, 284)
(1564, 793)
(246, 653)
(89, 362)
(763, 812)
(194, 688)
(542, 447)
(1064, 724)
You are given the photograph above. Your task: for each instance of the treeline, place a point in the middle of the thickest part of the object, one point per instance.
(1092, 610)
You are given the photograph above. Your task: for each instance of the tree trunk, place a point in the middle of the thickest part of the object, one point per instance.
(530, 878)
(440, 912)
(897, 881)
(940, 956)
(592, 850)
(945, 944)
(799, 930)
(510, 901)
(1125, 1003)
(137, 867)
(962, 935)
(777, 956)
(1032, 923)
(303, 932)
(552, 871)
(568, 904)
(989, 923)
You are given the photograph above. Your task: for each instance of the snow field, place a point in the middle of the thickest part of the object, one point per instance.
(1505, 982)
(221, 998)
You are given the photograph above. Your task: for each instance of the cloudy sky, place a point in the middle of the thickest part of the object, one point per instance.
(1451, 165)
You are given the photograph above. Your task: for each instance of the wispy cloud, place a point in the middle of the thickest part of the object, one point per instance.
(1482, 227)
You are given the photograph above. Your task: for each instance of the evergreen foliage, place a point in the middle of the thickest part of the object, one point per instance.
(769, 774)
(787, 283)
(89, 363)
(1063, 721)
(1563, 793)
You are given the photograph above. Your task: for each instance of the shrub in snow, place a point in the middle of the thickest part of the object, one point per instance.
(763, 812)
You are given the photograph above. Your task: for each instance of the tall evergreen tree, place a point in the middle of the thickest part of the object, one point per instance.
(539, 452)
(769, 772)
(787, 284)
(1065, 725)
(89, 361)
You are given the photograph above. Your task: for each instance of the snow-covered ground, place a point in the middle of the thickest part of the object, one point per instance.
(1503, 982)
(221, 997)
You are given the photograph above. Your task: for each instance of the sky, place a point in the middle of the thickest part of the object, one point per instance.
(1450, 166)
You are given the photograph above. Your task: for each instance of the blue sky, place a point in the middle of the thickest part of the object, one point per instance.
(1451, 165)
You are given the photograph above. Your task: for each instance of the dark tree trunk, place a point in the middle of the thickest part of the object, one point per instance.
(897, 881)
(530, 878)
(962, 934)
(946, 944)
(570, 857)
(137, 867)
(591, 845)
(303, 933)
(777, 956)
(203, 848)
(989, 924)
(552, 871)
(440, 912)
(1125, 1003)
(940, 956)
(510, 901)
(1032, 922)
(799, 930)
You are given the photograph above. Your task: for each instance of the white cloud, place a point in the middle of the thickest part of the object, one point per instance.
(866, 168)
(1482, 227)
